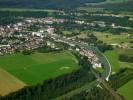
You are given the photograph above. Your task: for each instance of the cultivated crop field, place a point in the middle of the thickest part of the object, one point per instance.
(9, 83)
(35, 68)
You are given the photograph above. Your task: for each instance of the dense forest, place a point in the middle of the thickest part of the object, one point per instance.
(121, 77)
(121, 6)
(95, 93)
(45, 3)
(126, 58)
(8, 17)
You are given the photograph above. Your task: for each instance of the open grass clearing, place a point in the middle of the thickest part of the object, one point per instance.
(37, 67)
(114, 61)
(111, 38)
(112, 56)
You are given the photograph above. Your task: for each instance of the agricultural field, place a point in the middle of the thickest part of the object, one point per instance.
(34, 68)
(116, 65)
(111, 38)
(9, 83)
(113, 58)
(115, 40)
(127, 90)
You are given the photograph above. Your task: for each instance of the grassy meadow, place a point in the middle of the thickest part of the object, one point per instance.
(111, 38)
(127, 90)
(35, 68)
(112, 56)
(113, 59)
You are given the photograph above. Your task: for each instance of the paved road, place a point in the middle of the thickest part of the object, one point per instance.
(107, 67)
(107, 86)
(102, 58)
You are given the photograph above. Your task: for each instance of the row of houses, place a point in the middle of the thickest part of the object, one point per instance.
(91, 57)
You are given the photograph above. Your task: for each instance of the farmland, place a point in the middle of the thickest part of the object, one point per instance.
(116, 64)
(112, 38)
(66, 49)
(113, 58)
(8, 83)
(126, 90)
(35, 68)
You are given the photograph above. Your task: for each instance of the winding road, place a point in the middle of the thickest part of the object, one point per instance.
(107, 67)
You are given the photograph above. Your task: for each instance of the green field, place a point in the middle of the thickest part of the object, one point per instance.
(28, 9)
(114, 39)
(112, 56)
(67, 32)
(37, 67)
(111, 39)
(114, 61)
(127, 90)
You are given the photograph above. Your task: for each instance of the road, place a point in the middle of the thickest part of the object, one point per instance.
(107, 86)
(107, 67)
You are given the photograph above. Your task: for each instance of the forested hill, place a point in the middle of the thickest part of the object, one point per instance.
(116, 5)
(45, 3)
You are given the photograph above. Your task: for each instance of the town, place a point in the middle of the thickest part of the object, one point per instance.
(13, 38)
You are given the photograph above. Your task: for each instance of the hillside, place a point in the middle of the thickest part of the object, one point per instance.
(45, 3)
(112, 5)
(118, 5)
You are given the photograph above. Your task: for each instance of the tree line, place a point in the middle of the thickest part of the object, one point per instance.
(96, 93)
(126, 58)
(121, 77)
(55, 87)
